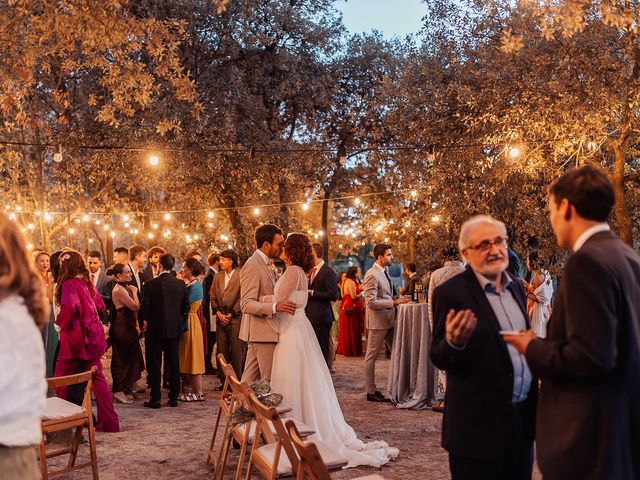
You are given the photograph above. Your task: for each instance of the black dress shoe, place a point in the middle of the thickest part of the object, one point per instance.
(377, 397)
(172, 403)
(152, 404)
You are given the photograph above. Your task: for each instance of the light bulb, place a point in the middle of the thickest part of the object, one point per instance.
(515, 152)
(256, 211)
(154, 160)
(305, 206)
(167, 216)
(210, 214)
(357, 201)
(125, 218)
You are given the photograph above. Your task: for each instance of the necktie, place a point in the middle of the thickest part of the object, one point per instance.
(389, 279)
(274, 270)
(92, 276)
(313, 275)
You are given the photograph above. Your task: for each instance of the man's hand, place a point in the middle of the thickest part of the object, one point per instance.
(460, 326)
(521, 340)
(286, 306)
(402, 299)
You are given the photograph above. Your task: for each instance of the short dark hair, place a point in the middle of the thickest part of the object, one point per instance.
(412, 267)
(230, 254)
(213, 258)
(116, 269)
(588, 189)
(266, 233)
(194, 266)
(167, 261)
(121, 250)
(135, 250)
(94, 254)
(380, 249)
(318, 249)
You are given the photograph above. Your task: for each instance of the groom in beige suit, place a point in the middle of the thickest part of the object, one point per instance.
(381, 315)
(259, 324)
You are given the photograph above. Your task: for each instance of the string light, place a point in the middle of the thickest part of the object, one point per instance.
(127, 225)
(98, 222)
(435, 218)
(113, 234)
(305, 206)
(150, 235)
(31, 226)
(12, 216)
(72, 230)
(256, 211)
(18, 208)
(210, 214)
(85, 218)
(515, 152)
(357, 201)
(210, 225)
(154, 160)
(106, 227)
(29, 246)
(125, 217)
(167, 216)
(414, 193)
(154, 226)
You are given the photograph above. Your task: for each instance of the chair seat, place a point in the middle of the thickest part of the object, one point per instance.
(282, 408)
(56, 408)
(304, 429)
(370, 477)
(332, 459)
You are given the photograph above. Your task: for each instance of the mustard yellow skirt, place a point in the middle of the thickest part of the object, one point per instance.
(191, 352)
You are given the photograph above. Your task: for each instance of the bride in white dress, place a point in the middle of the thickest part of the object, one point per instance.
(300, 373)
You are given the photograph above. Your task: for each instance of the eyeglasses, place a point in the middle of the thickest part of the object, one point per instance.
(486, 245)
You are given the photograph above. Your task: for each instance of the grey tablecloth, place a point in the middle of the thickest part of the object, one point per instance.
(409, 385)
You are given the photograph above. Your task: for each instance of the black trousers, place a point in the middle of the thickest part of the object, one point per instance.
(516, 463)
(322, 331)
(211, 342)
(154, 348)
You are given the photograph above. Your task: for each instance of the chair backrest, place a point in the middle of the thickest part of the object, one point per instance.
(229, 373)
(78, 378)
(311, 461)
(264, 416)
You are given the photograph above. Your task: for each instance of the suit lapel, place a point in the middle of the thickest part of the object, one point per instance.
(520, 300)
(266, 268)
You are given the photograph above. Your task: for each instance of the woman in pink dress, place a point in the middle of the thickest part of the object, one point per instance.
(82, 338)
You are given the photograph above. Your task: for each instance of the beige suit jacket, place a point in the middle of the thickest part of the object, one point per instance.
(378, 296)
(258, 322)
(229, 297)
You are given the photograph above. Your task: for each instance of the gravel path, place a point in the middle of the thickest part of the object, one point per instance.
(170, 443)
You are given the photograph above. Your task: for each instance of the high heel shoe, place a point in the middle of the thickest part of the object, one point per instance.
(120, 397)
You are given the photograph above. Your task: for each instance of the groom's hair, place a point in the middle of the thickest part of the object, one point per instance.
(588, 189)
(318, 249)
(380, 249)
(266, 233)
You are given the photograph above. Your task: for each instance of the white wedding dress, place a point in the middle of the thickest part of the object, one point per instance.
(301, 375)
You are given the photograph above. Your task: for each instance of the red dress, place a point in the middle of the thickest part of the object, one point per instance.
(351, 324)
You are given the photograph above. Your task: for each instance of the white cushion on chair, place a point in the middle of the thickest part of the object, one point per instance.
(370, 477)
(330, 457)
(304, 429)
(282, 408)
(59, 408)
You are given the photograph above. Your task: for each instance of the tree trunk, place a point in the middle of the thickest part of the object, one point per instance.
(325, 224)
(621, 209)
(412, 249)
(284, 209)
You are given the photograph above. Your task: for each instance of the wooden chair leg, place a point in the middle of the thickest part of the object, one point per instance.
(243, 453)
(92, 450)
(75, 444)
(43, 460)
(213, 437)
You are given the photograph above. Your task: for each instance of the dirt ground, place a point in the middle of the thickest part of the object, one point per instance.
(170, 443)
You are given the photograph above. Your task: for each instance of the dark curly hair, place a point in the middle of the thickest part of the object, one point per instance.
(72, 264)
(298, 248)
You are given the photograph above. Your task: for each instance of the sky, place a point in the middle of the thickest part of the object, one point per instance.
(391, 17)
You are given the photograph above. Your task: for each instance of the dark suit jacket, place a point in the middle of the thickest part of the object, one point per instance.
(104, 285)
(206, 295)
(325, 291)
(589, 411)
(478, 407)
(165, 306)
(144, 277)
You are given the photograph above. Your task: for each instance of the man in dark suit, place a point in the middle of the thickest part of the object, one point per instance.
(412, 279)
(164, 310)
(490, 401)
(323, 289)
(213, 261)
(589, 412)
(153, 259)
(101, 281)
(137, 259)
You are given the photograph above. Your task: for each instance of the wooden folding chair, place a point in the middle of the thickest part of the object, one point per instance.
(224, 404)
(269, 457)
(59, 415)
(311, 463)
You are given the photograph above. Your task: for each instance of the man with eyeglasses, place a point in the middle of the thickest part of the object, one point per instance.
(490, 402)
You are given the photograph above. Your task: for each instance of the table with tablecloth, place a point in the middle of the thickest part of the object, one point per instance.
(410, 384)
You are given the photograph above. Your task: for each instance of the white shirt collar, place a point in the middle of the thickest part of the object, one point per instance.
(164, 271)
(319, 265)
(229, 275)
(266, 259)
(588, 233)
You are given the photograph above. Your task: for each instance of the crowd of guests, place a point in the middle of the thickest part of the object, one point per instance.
(502, 352)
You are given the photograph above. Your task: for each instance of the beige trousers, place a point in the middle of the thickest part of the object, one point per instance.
(259, 362)
(374, 341)
(19, 463)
